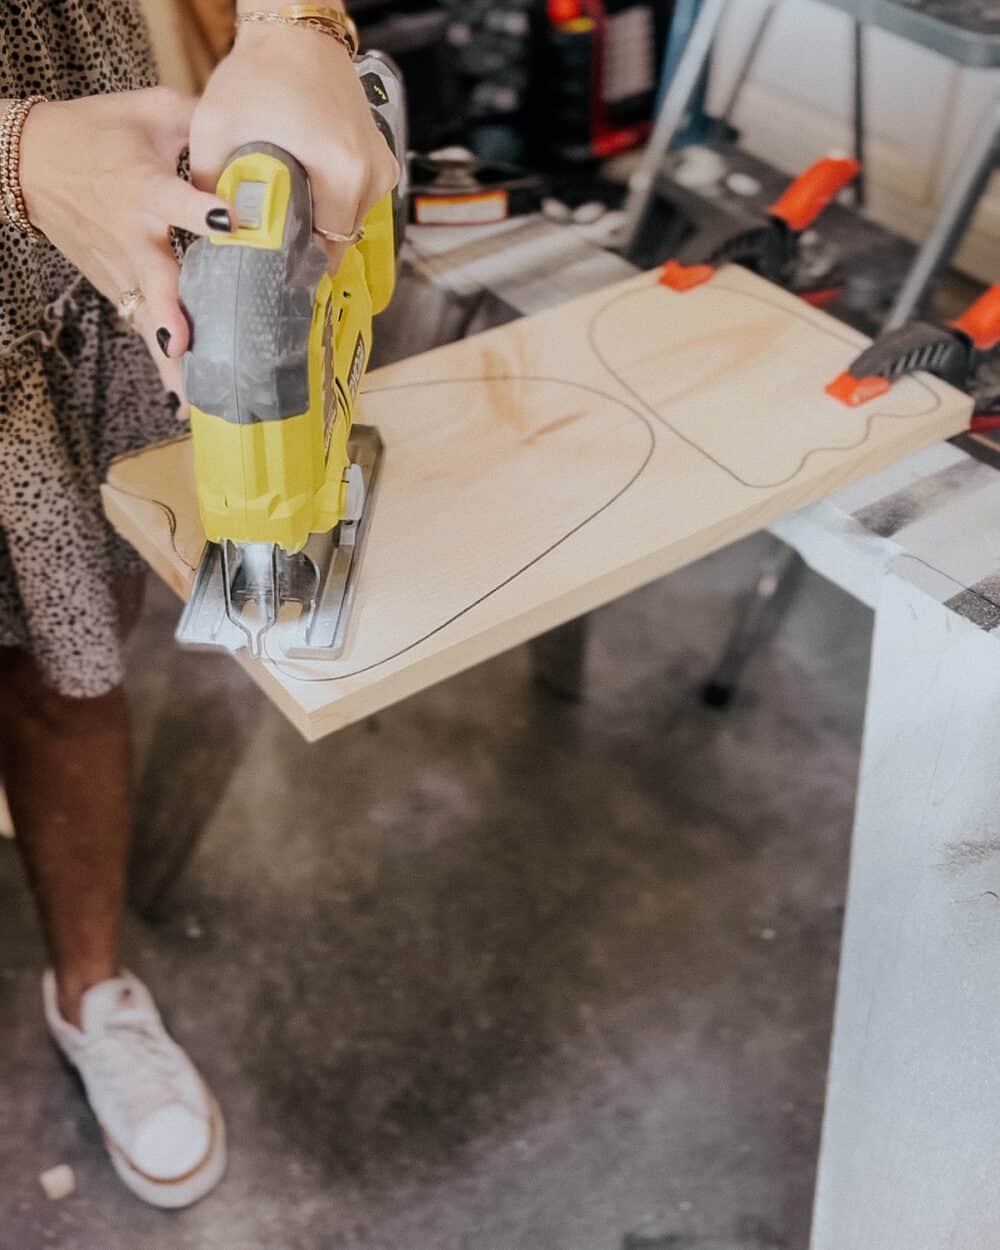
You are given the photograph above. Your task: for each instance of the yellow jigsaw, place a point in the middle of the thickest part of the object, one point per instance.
(279, 347)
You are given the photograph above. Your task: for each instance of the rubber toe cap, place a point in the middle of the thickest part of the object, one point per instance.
(171, 1143)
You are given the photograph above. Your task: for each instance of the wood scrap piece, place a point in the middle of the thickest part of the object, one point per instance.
(58, 1182)
(546, 467)
(6, 820)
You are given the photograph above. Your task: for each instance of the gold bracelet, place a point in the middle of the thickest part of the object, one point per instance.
(11, 195)
(322, 18)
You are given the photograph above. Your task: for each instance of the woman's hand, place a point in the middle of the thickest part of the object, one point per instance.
(99, 177)
(297, 89)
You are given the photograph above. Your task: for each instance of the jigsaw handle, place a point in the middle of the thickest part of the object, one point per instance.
(981, 321)
(806, 197)
(384, 225)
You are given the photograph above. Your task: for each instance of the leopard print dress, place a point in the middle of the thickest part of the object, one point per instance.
(76, 387)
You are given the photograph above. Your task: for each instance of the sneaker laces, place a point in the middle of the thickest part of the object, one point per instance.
(136, 1063)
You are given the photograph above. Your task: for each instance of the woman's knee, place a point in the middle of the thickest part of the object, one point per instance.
(28, 700)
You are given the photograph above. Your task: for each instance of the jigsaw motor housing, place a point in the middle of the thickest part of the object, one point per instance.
(279, 348)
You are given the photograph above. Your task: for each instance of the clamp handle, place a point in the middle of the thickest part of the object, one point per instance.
(806, 197)
(981, 321)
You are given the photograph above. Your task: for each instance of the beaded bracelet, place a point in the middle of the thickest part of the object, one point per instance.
(322, 18)
(11, 195)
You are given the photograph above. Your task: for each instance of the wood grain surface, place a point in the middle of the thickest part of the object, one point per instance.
(539, 470)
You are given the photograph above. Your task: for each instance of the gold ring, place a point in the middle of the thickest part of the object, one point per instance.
(128, 303)
(333, 236)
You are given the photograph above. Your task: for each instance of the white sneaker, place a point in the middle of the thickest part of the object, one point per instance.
(162, 1127)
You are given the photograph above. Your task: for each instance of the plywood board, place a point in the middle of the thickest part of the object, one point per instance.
(541, 469)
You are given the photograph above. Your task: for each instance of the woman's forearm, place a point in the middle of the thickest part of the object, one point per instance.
(276, 11)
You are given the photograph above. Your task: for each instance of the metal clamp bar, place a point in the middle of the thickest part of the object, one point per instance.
(956, 211)
(672, 112)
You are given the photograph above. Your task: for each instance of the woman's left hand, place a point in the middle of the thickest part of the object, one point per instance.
(296, 88)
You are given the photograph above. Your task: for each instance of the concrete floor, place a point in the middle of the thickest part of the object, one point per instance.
(491, 972)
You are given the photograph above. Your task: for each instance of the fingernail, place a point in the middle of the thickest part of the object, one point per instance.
(219, 219)
(173, 401)
(163, 338)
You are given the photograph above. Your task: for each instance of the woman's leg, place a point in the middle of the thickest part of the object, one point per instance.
(67, 769)
(69, 763)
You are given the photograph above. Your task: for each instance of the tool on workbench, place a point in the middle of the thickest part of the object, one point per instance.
(960, 352)
(772, 248)
(453, 187)
(278, 350)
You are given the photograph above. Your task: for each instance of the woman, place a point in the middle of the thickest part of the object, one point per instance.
(89, 186)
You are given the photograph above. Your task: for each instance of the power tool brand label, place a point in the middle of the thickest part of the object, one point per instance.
(357, 367)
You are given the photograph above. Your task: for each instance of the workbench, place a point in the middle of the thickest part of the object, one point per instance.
(908, 1134)
(553, 463)
(909, 1137)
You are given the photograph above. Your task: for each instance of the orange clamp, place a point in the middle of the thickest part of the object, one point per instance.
(854, 391)
(804, 200)
(981, 322)
(683, 277)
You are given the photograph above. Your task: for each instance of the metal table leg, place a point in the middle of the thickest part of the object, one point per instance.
(559, 658)
(859, 112)
(669, 119)
(748, 62)
(759, 616)
(960, 204)
(676, 104)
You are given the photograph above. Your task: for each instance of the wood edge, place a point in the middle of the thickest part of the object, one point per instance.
(139, 453)
(118, 506)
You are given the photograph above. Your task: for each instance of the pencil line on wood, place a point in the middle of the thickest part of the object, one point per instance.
(694, 444)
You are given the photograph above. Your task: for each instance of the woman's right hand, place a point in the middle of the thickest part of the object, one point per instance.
(99, 177)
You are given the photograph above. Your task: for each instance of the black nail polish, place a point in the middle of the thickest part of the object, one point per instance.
(219, 219)
(173, 401)
(163, 338)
